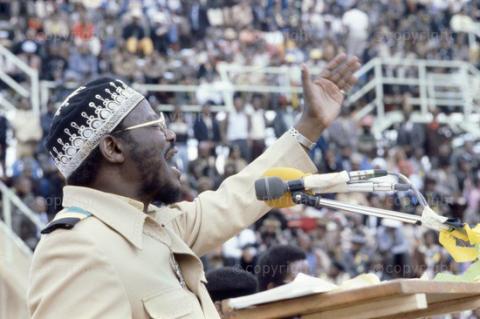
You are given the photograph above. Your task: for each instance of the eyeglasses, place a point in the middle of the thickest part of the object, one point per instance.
(161, 123)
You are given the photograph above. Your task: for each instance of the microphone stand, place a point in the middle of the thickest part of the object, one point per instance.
(316, 201)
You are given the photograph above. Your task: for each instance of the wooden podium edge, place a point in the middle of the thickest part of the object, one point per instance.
(428, 286)
(378, 308)
(340, 298)
(441, 308)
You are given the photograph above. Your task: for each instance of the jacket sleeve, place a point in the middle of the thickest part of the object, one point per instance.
(70, 278)
(215, 216)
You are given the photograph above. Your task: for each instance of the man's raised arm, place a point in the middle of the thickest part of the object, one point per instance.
(215, 216)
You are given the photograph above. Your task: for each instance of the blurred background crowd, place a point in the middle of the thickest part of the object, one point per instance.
(183, 42)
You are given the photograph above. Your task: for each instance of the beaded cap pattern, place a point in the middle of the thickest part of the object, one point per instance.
(105, 110)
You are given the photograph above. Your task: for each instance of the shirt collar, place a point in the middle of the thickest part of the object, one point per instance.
(123, 214)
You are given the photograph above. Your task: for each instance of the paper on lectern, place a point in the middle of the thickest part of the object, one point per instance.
(302, 285)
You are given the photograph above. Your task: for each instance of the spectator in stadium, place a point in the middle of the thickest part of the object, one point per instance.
(39, 207)
(232, 249)
(238, 126)
(234, 159)
(367, 143)
(3, 143)
(284, 117)
(82, 64)
(204, 164)
(50, 184)
(179, 126)
(46, 118)
(257, 132)
(229, 282)
(23, 188)
(411, 135)
(280, 265)
(198, 19)
(356, 22)
(29, 50)
(135, 36)
(206, 127)
(27, 136)
(270, 232)
(318, 260)
(343, 133)
(359, 257)
(394, 246)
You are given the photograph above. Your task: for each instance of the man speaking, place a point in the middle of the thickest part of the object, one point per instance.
(110, 253)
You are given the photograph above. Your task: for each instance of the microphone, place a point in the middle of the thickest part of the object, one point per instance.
(357, 176)
(323, 181)
(365, 187)
(286, 174)
(276, 190)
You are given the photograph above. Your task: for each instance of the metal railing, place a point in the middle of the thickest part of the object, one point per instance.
(10, 200)
(31, 91)
(15, 257)
(47, 86)
(455, 87)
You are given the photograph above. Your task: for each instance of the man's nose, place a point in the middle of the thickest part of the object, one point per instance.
(170, 135)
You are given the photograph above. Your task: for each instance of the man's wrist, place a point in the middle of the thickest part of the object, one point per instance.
(310, 130)
(306, 143)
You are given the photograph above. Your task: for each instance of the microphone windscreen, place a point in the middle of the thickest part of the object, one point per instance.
(270, 188)
(285, 174)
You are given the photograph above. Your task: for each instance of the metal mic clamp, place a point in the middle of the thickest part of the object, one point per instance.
(306, 199)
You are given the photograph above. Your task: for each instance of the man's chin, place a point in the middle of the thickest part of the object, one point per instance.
(170, 194)
(168, 189)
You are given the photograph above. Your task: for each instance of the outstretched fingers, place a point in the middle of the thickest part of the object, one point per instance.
(333, 65)
(306, 81)
(343, 75)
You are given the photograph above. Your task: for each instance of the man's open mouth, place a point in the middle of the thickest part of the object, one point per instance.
(170, 153)
(170, 158)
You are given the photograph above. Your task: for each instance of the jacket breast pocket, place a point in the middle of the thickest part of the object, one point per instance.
(172, 303)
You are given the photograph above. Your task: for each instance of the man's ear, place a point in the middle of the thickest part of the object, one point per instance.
(112, 149)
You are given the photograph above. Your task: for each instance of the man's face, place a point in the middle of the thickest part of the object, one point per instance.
(296, 267)
(149, 151)
(238, 104)
(257, 103)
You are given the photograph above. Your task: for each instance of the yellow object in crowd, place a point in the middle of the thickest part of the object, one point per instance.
(471, 236)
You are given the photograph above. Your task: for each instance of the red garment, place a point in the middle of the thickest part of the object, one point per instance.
(305, 223)
(83, 31)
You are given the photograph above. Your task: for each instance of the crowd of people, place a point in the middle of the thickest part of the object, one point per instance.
(183, 42)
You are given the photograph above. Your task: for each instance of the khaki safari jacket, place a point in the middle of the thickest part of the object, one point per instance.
(116, 263)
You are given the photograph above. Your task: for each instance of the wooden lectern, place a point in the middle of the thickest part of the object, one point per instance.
(397, 299)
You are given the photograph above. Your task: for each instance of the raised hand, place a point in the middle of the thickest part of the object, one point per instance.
(324, 95)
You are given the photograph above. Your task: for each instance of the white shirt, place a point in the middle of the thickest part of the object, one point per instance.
(237, 126)
(258, 124)
(233, 246)
(357, 22)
